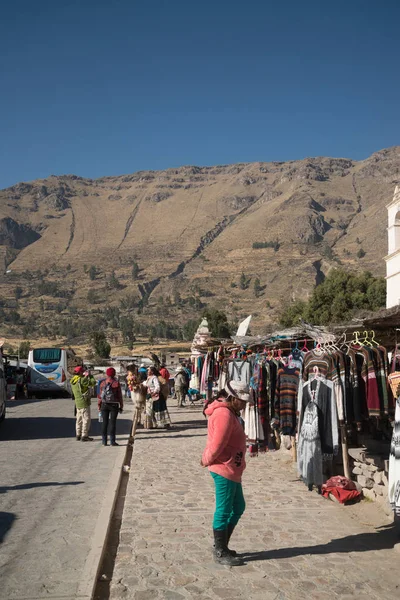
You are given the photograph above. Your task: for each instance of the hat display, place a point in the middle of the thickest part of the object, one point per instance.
(239, 390)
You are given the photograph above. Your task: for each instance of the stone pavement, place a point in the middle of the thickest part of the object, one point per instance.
(296, 544)
(53, 490)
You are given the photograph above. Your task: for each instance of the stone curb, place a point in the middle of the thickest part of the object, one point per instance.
(95, 557)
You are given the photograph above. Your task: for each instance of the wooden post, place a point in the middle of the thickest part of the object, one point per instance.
(134, 424)
(294, 448)
(345, 453)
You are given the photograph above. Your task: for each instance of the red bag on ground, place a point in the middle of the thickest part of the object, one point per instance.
(342, 488)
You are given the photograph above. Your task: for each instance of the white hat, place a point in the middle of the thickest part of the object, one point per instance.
(179, 369)
(239, 390)
(141, 366)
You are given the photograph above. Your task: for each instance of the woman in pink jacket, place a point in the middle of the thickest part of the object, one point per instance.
(224, 456)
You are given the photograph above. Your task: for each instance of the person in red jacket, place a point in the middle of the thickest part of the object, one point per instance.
(224, 456)
(110, 403)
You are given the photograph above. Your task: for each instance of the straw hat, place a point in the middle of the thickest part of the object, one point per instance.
(239, 390)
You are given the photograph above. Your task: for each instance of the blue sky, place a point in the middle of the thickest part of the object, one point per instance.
(108, 87)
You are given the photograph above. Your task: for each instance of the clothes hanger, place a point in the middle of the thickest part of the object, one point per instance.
(316, 373)
(318, 349)
(373, 340)
(295, 352)
(365, 340)
(304, 348)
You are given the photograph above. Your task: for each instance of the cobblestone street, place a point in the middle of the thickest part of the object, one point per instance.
(295, 543)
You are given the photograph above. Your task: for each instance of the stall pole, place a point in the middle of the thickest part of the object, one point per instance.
(346, 465)
(294, 448)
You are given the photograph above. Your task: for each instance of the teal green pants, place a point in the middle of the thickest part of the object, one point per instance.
(229, 502)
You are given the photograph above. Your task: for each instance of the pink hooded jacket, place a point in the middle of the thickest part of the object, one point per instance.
(226, 443)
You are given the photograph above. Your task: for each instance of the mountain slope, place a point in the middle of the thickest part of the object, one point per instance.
(191, 231)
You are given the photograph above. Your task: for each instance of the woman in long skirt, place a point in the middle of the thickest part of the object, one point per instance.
(157, 391)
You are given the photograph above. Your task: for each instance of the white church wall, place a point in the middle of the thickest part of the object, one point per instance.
(393, 258)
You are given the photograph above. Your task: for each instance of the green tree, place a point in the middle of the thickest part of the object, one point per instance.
(24, 348)
(257, 287)
(189, 329)
(337, 298)
(244, 281)
(217, 323)
(361, 253)
(92, 273)
(100, 345)
(135, 270)
(12, 317)
(113, 282)
(127, 329)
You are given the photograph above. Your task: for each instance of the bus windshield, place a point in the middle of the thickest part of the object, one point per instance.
(46, 355)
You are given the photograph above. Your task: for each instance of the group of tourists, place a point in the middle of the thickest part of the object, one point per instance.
(109, 401)
(149, 389)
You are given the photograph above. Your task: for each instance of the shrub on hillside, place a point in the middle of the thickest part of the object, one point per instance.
(258, 245)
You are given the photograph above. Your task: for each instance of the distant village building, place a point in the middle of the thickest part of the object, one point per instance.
(393, 257)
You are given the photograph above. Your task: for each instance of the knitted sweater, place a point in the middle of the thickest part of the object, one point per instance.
(226, 443)
(285, 400)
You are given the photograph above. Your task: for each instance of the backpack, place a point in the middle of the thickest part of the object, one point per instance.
(108, 395)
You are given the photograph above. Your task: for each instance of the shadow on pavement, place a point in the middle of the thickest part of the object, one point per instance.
(28, 486)
(37, 428)
(6, 522)
(44, 428)
(25, 401)
(179, 426)
(383, 539)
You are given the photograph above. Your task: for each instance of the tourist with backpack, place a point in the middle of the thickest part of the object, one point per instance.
(110, 403)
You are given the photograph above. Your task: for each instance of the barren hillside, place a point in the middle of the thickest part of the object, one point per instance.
(191, 231)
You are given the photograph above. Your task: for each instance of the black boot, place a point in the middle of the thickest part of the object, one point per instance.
(230, 531)
(221, 552)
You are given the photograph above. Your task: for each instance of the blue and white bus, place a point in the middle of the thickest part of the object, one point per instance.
(50, 370)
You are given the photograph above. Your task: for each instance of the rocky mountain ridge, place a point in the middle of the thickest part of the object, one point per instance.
(193, 231)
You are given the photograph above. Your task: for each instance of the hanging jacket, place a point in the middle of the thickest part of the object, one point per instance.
(226, 442)
(80, 389)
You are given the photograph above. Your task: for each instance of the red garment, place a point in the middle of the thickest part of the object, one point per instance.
(117, 391)
(342, 488)
(226, 442)
(164, 373)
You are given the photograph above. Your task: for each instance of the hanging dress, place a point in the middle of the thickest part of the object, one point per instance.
(394, 463)
(319, 435)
